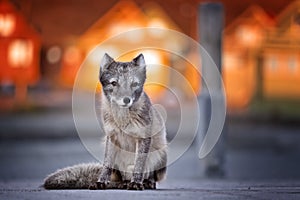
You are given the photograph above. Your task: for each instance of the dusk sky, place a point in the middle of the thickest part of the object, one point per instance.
(56, 19)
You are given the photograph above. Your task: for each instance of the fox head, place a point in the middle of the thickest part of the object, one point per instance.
(122, 82)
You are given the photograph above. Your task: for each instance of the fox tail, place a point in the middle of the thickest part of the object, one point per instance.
(79, 176)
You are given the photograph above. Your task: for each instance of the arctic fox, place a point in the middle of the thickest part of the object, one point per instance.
(135, 136)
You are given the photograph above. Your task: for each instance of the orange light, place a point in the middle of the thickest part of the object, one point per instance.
(20, 53)
(7, 24)
(156, 23)
(72, 56)
(231, 61)
(248, 36)
(54, 54)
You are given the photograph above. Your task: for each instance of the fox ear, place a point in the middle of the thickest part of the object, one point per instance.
(106, 60)
(139, 60)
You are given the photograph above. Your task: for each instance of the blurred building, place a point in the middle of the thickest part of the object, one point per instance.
(19, 54)
(262, 56)
(19, 47)
(127, 16)
(281, 56)
(243, 39)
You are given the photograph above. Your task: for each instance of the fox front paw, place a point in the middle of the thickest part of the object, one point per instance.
(135, 186)
(93, 186)
(151, 185)
(123, 185)
(97, 186)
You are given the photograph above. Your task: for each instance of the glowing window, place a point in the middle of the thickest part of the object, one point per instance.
(292, 64)
(7, 24)
(272, 63)
(20, 53)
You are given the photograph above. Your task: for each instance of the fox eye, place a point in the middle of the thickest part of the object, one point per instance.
(114, 83)
(134, 84)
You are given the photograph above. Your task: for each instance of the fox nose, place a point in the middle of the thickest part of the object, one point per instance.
(126, 100)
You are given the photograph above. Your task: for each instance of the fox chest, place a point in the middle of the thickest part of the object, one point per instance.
(124, 143)
(126, 127)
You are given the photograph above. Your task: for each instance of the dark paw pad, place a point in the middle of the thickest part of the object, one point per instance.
(149, 185)
(101, 185)
(135, 186)
(123, 185)
(93, 186)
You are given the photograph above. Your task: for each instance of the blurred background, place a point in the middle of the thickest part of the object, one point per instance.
(44, 42)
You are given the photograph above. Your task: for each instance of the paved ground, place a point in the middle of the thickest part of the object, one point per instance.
(203, 189)
(262, 160)
(250, 174)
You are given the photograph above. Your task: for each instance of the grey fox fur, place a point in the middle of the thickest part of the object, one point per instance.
(135, 142)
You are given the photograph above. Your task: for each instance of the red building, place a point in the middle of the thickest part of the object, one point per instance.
(19, 48)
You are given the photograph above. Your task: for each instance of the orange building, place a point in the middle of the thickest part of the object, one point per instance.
(281, 56)
(262, 56)
(19, 48)
(242, 41)
(125, 15)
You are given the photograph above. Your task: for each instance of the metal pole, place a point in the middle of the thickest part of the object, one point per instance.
(211, 18)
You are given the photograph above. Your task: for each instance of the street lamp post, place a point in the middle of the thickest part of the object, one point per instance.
(211, 19)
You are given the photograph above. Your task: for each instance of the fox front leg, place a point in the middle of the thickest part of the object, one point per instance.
(143, 148)
(106, 171)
